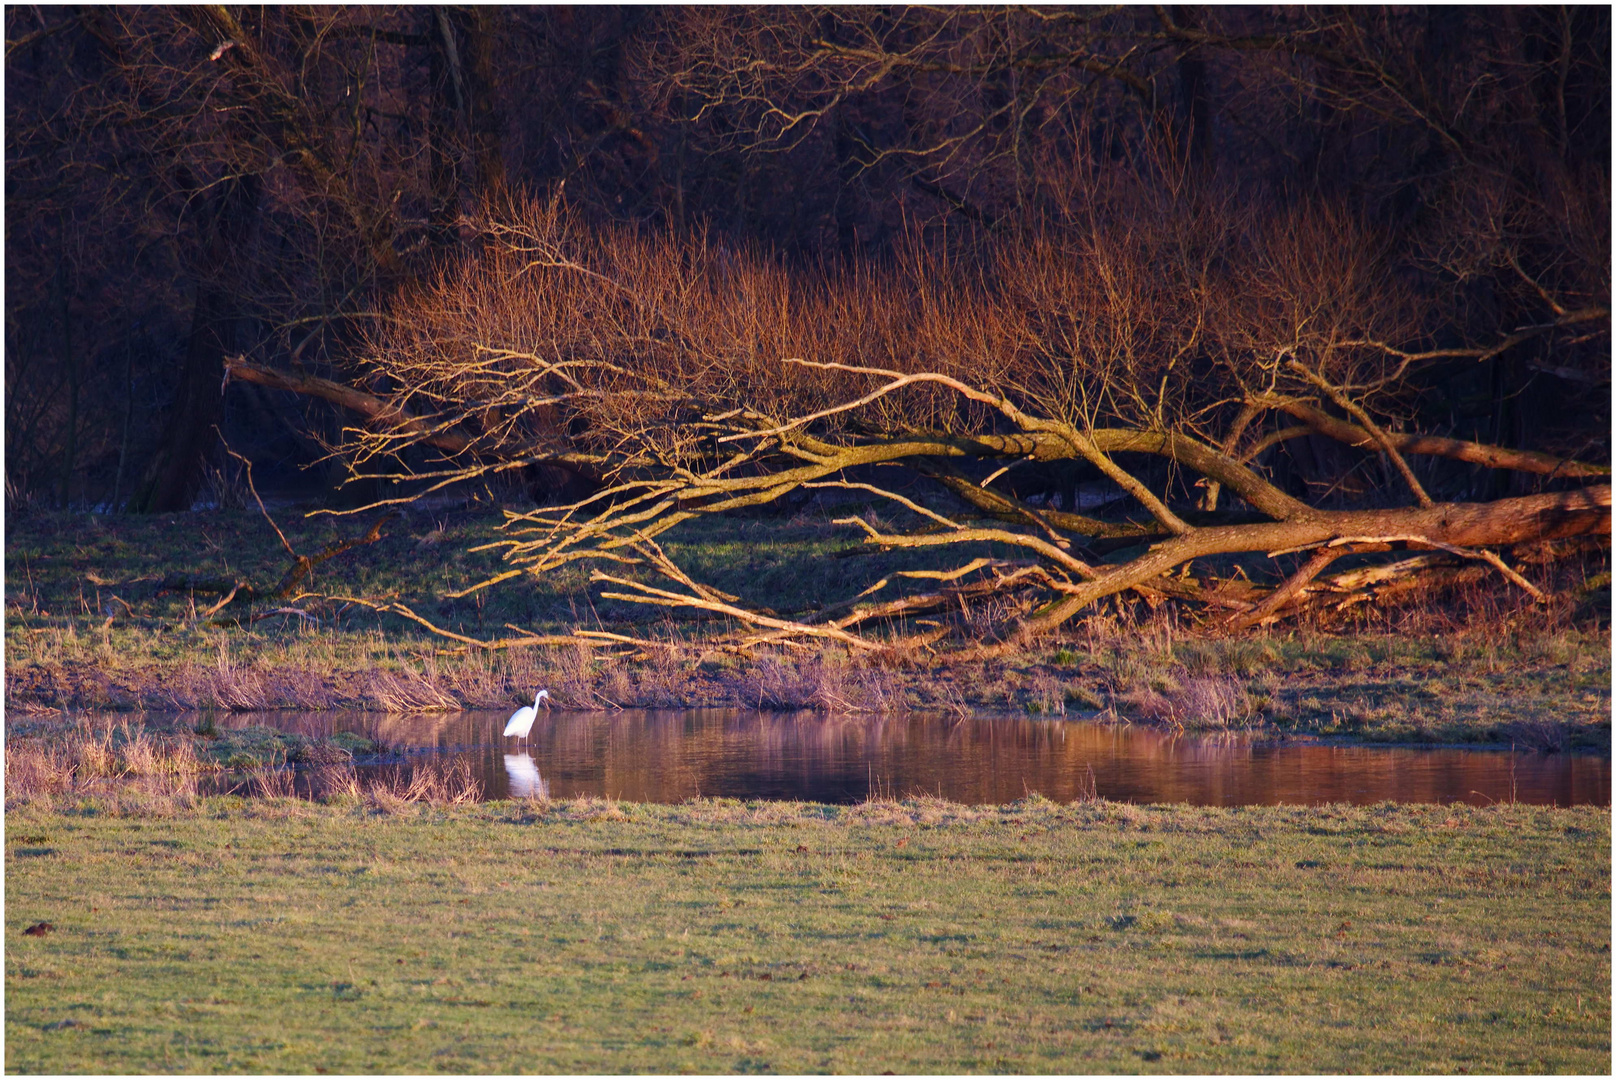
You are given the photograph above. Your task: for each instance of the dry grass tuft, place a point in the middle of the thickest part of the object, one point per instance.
(1539, 735)
(824, 681)
(84, 757)
(1198, 703)
(773, 683)
(92, 754)
(133, 770)
(36, 771)
(1088, 790)
(148, 755)
(1048, 695)
(406, 692)
(336, 783)
(272, 782)
(429, 781)
(574, 677)
(592, 808)
(88, 757)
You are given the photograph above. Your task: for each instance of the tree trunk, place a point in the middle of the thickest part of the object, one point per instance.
(467, 163)
(175, 472)
(70, 363)
(446, 109)
(1495, 524)
(484, 119)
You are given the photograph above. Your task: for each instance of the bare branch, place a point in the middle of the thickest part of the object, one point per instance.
(646, 594)
(1495, 457)
(1054, 554)
(1294, 584)
(1369, 425)
(885, 494)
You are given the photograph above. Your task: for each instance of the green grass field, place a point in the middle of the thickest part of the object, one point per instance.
(278, 936)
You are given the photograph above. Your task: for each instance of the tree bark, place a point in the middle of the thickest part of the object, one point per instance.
(467, 164)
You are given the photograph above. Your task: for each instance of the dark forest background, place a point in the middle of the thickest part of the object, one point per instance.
(185, 185)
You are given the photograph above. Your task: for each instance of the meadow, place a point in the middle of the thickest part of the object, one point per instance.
(401, 926)
(353, 936)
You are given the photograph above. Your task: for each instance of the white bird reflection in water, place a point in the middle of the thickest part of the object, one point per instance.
(525, 781)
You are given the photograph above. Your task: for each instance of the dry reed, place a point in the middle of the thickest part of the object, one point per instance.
(406, 691)
(432, 782)
(1199, 703)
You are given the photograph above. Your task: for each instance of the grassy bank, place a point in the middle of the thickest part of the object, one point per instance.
(276, 935)
(90, 626)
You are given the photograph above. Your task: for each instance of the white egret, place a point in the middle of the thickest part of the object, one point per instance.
(521, 721)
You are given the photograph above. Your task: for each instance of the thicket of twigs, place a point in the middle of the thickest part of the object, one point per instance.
(1162, 354)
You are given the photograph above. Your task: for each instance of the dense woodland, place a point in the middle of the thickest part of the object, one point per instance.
(1238, 267)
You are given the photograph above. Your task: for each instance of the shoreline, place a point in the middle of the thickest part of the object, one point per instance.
(1335, 709)
(112, 614)
(1259, 735)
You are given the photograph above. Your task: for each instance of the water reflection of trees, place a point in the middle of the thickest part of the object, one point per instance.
(671, 755)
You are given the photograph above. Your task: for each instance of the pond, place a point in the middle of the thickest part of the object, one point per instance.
(668, 756)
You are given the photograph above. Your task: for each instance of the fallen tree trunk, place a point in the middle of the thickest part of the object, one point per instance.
(650, 498)
(377, 411)
(1496, 524)
(403, 429)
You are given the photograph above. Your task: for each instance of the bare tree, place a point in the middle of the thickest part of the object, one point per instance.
(1160, 353)
(186, 185)
(1474, 141)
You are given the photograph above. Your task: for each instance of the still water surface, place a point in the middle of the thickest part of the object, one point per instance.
(668, 756)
